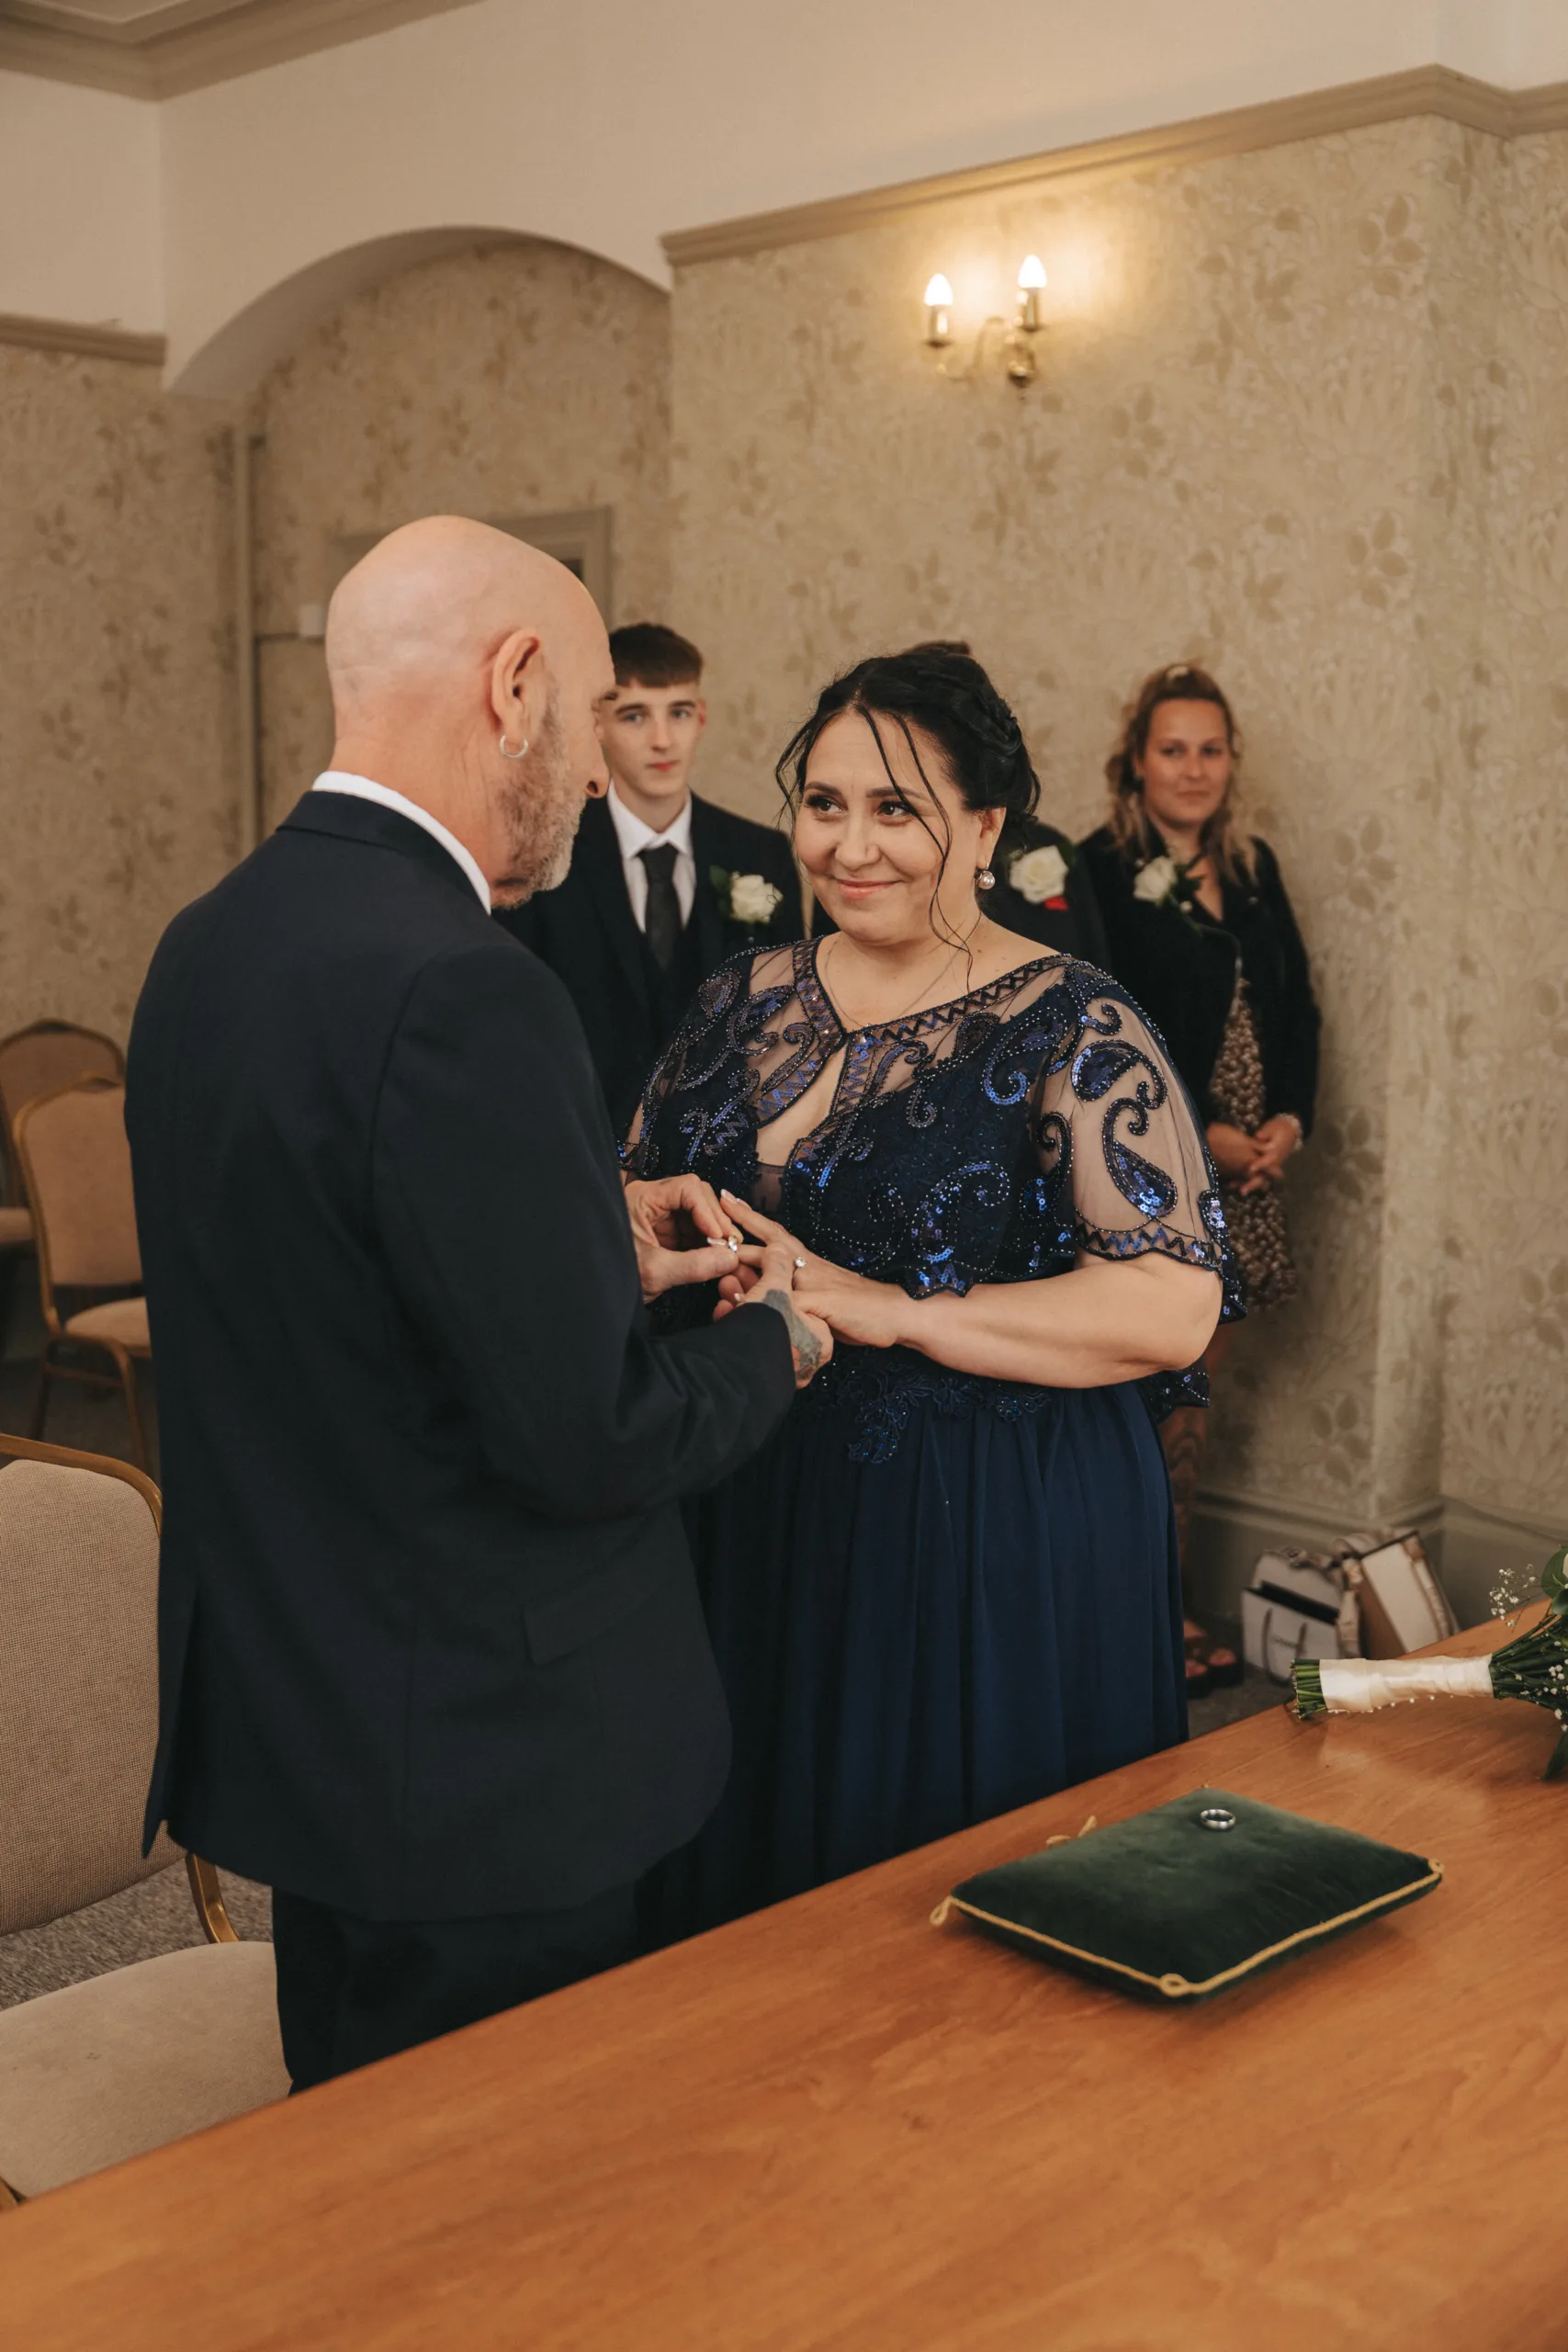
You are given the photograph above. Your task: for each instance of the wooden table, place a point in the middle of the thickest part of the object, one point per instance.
(835, 2125)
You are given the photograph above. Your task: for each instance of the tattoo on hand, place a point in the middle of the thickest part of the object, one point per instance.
(805, 1346)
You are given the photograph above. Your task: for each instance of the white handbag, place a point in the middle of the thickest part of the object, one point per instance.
(1374, 1595)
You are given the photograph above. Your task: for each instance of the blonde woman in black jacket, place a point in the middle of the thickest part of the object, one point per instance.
(1200, 930)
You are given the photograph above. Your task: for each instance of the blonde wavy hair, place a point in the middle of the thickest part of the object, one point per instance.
(1224, 840)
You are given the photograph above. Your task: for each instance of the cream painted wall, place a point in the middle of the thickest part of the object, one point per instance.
(1303, 415)
(606, 125)
(81, 236)
(609, 123)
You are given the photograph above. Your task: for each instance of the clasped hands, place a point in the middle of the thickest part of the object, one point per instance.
(1252, 1162)
(684, 1233)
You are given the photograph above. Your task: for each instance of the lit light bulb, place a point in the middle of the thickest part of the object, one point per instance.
(939, 302)
(1031, 282)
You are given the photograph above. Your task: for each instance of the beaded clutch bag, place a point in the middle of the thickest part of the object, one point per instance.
(1179, 1903)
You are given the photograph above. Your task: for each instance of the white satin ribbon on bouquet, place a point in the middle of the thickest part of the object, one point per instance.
(1360, 1686)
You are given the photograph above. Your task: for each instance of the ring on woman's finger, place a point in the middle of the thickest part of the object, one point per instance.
(800, 1265)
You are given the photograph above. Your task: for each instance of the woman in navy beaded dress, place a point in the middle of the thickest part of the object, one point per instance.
(950, 1584)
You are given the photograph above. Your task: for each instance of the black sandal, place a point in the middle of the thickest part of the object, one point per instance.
(1210, 1667)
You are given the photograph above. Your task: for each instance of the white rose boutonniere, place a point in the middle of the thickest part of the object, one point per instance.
(747, 898)
(1156, 881)
(1038, 875)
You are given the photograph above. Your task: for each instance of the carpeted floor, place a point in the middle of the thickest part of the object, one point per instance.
(158, 1915)
(1252, 1695)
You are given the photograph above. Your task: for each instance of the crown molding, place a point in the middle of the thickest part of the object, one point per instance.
(186, 47)
(90, 61)
(1316, 114)
(84, 342)
(1542, 109)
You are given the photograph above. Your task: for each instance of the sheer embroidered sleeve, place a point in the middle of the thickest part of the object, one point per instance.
(646, 1149)
(641, 1152)
(1121, 1150)
(683, 1110)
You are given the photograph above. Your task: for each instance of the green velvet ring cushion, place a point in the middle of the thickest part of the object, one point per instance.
(1166, 1906)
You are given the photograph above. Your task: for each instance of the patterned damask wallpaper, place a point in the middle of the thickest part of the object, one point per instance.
(520, 379)
(1504, 944)
(116, 746)
(1301, 414)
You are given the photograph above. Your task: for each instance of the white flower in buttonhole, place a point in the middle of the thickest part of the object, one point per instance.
(1039, 874)
(1156, 882)
(746, 898)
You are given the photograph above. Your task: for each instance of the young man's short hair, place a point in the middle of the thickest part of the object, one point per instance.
(646, 653)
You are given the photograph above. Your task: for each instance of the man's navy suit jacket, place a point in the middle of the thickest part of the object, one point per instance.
(430, 1640)
(586, 932)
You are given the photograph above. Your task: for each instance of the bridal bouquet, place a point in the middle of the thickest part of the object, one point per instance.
(1534, 1668)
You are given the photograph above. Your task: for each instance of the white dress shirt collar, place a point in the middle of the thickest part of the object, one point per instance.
(634, 836)
(360, 788)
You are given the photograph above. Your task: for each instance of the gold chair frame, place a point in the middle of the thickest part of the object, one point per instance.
(55, 1029)
(11, 1187)
(206, 1892)
(55, 1333)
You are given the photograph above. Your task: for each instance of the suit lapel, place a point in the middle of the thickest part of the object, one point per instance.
(598, 860)
(712, 944)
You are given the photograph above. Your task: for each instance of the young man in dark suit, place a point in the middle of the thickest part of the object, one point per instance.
(663, 887)
(433, 1661)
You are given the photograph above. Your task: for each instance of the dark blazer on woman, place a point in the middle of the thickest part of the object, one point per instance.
(587, 933)
(1180, 965)
(429, 1642)
(1070, 921)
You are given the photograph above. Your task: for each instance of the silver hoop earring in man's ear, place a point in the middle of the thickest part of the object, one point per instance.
(508, 754)
(984, 878)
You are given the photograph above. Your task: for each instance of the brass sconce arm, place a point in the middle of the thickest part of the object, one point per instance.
(1016, 334)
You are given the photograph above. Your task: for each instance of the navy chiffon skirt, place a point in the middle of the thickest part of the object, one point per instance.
(918, 1642)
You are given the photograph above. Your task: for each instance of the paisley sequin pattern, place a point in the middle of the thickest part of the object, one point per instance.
(990, 1139)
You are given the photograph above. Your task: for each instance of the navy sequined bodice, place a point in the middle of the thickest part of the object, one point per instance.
(991, 1139)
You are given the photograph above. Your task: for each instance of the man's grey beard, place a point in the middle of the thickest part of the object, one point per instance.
(541, 812)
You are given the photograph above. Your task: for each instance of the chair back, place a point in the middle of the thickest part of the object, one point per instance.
(78, 1680)
(48, 1056)
(75, 1165)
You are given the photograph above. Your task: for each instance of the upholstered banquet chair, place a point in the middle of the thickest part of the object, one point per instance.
(35, 1061)
(47, 1054)
(75, 1165)
(109, 2068)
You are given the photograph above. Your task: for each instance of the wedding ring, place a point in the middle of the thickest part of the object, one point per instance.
(800, 1265)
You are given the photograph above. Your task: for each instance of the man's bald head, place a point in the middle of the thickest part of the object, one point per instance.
(466, 669)
(431, 603)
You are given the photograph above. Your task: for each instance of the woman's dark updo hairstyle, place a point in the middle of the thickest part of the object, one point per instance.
(941, 690)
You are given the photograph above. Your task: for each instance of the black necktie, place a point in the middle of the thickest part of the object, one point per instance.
(663, 923)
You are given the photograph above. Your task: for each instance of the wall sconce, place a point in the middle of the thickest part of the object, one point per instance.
(1017, 333)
